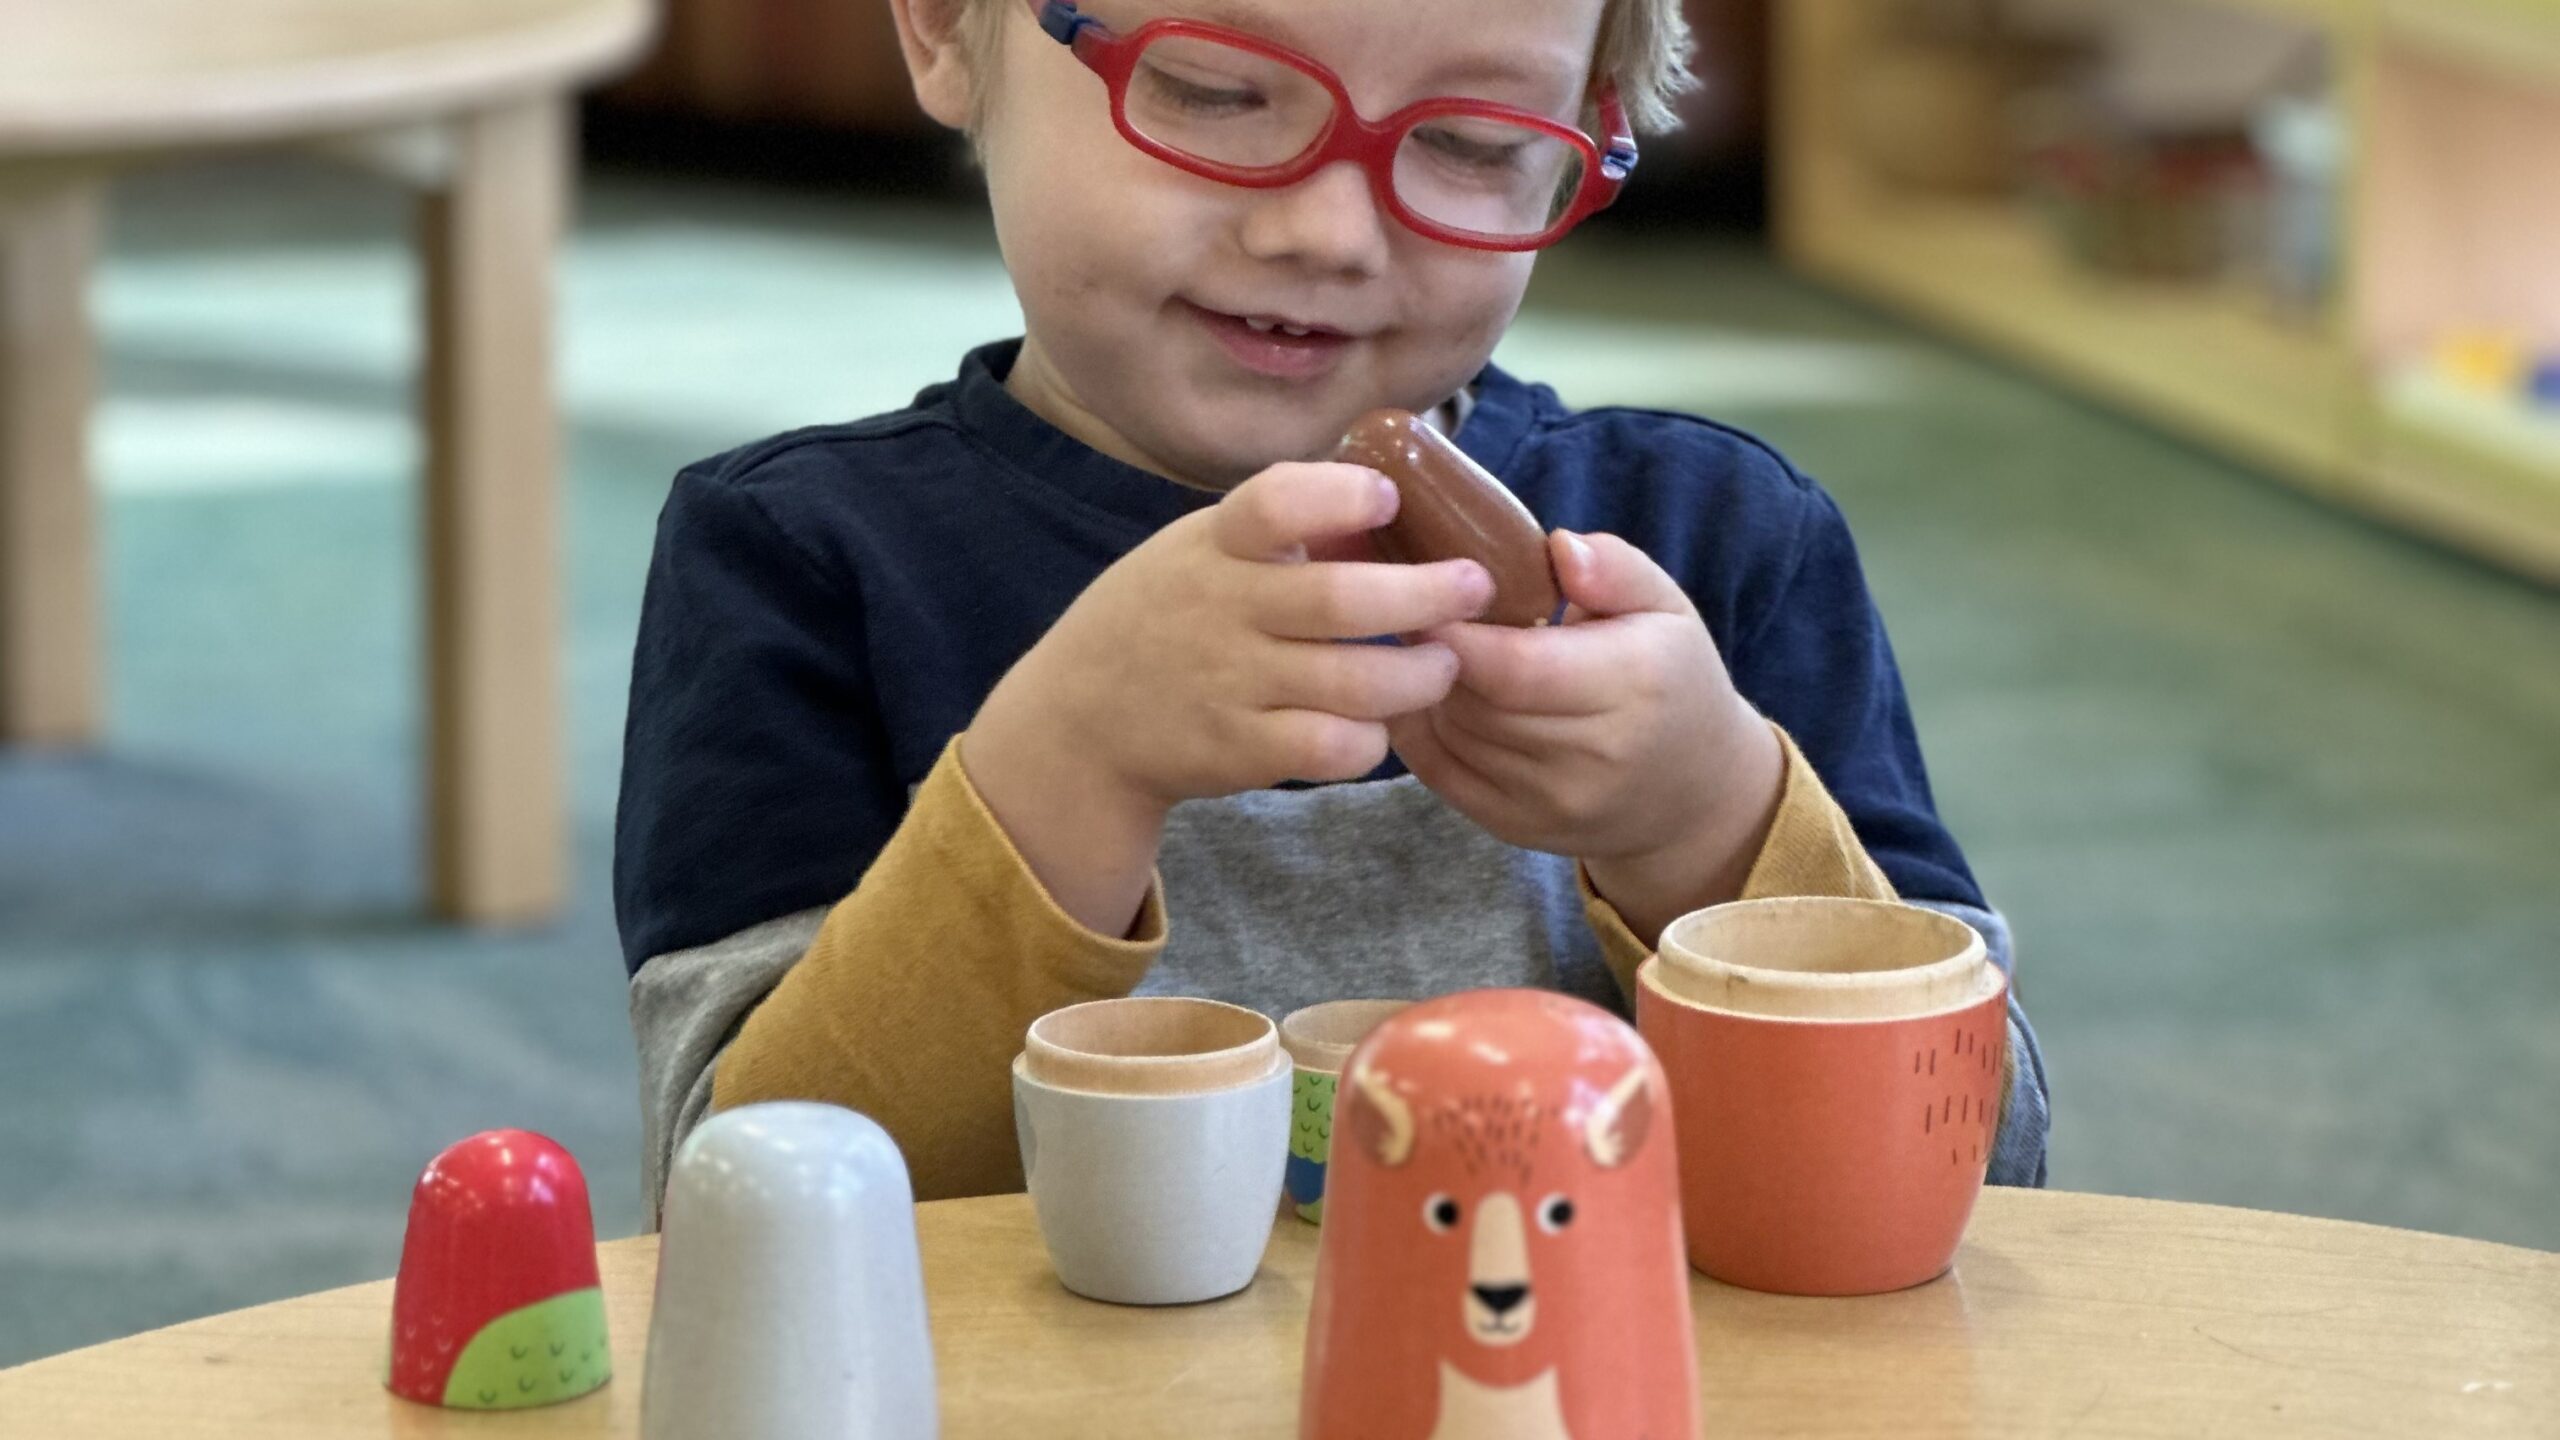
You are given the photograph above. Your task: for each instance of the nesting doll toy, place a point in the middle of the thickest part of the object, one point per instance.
(1501, 1257)
(497, 1305)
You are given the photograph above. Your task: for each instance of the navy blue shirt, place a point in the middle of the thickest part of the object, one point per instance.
(826, 608)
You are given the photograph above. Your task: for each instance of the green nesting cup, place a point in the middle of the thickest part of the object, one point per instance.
(1319, 1040)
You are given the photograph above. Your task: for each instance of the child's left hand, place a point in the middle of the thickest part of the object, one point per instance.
(1616, 737)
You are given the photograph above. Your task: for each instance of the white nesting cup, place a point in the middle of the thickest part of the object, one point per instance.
(1154, 1135)
(790, 1299)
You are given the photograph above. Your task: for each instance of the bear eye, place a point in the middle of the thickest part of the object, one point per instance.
(1440, 1212)
(1554, 1213)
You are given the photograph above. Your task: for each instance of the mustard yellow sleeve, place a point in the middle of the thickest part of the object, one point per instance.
(1811, 850)
(912, 1002)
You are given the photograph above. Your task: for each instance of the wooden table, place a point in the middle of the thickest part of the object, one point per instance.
(465, 102)
(2067, 1315)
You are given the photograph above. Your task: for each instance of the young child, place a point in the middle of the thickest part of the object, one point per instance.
(1036, 691)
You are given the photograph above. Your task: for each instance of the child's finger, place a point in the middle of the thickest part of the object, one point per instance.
(1278, 513)
(1313, 745)
(1556, 670)
(1521, 740)
(1418, 743)
(1364, 682)
(1351, 600)
(1602, 575)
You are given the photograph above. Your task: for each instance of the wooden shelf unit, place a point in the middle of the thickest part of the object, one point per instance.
(2516, 37)
(2307, 397)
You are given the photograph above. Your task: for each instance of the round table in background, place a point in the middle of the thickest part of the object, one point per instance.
(2066, 1315)
(465, 102)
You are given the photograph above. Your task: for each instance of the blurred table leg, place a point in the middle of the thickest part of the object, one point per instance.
(50, 691)
(496, 843)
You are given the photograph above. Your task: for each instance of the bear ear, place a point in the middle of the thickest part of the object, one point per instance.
(1616, 1127)
(1380, 1121)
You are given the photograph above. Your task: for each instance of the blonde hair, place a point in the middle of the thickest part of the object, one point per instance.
(1644, 45)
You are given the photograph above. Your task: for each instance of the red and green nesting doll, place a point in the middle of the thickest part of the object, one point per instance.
(497, 1306)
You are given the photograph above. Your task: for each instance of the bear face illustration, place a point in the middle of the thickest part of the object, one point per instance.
(1502, 1253)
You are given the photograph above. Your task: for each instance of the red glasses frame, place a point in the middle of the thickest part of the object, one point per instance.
(1349, 135)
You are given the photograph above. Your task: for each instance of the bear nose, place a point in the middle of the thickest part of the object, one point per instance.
(1500, 1298)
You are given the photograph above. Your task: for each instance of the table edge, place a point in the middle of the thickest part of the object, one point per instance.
(2456, 1247)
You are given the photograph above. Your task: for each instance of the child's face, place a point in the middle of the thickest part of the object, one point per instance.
(1137, 279)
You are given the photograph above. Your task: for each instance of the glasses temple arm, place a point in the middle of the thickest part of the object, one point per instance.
(1619, 160)
(1060, 19)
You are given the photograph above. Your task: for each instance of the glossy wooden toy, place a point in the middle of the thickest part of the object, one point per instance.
(1454, 509)
(496, 1306)
(1501, 1244)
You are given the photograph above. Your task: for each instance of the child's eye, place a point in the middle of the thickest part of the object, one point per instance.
(1473, 153)
(1201, 97)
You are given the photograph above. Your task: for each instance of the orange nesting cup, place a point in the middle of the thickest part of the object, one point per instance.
(1836, 1078)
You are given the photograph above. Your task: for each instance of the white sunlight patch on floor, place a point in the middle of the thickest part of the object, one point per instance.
(781, 330)
(168, 445)
(1596, 361)
(333, 309)
(864, 324)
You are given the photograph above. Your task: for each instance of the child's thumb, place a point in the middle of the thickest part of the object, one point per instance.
(1602, 575)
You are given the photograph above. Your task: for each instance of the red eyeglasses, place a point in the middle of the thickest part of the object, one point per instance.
(1237, 108)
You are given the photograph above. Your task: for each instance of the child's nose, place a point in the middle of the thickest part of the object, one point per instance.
(1329, 222)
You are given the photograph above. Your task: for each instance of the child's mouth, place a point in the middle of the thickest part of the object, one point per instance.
(1274, 345)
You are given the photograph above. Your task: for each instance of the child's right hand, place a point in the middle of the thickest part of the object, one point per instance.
(1204, 663)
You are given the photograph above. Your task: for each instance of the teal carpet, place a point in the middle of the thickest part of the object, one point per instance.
(2272, 796)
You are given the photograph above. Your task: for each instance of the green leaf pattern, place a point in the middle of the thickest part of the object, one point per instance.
(1311, 1116)
(547, 1352)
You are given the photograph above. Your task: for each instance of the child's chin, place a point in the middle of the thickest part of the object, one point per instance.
(1245, 444)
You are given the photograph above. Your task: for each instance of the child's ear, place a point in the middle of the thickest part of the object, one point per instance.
(933, 36)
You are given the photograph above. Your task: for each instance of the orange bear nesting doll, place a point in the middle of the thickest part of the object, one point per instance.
(1501, 1255)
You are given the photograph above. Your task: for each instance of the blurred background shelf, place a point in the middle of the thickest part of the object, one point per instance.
(2333, 15)
(2451, 461)
(2278, 391)
(2519, 37)
(2434, 232)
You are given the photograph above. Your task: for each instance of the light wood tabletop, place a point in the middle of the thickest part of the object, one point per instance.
(2066, 1315)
